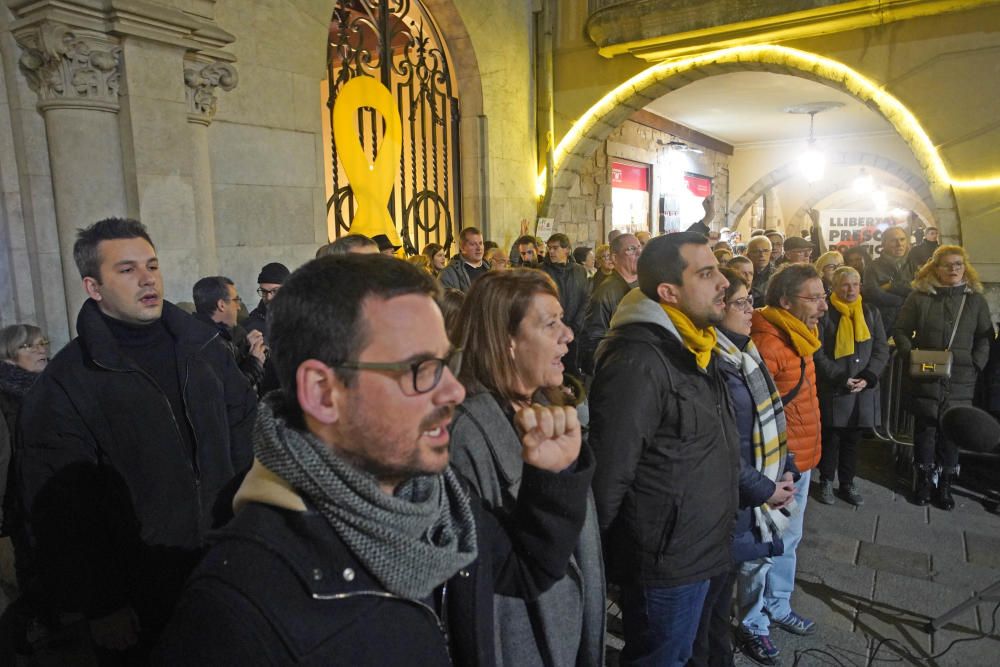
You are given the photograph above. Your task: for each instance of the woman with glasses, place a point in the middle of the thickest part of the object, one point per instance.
(945, 310)
(848, 365)
(766, 472)
(827, 263)
(604, 264)
(513, 340)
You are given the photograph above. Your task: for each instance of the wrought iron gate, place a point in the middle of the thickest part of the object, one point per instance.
(397, 42)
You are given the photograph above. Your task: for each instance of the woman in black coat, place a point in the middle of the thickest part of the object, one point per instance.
(848, 365)
(947, 297)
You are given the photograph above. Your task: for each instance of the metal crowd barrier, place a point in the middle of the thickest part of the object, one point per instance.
(897, 421)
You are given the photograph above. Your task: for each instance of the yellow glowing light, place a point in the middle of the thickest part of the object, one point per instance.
(821, 67)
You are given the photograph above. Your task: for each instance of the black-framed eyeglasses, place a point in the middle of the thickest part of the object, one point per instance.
(38, 344)
(267, 293)
(426, 373)
(237, 299)
(814, 299)
(746, 303)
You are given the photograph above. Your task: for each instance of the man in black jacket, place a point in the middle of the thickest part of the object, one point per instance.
(269, 281)
(217, 304)
(887, 279)
(571, 279)
(667, 448)
(127, 443)
(626, 249)
(355, 542)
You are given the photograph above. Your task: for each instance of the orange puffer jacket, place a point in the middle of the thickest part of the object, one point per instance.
(802, 413)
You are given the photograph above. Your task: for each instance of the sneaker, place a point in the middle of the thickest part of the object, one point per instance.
(826, 493)
(758, 648)
(795, 624)
(849, 492)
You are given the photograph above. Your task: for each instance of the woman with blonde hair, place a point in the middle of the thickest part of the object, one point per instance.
(848, 365)
(422, 262)
(827, 263)
(945, 311)
(604, 263)
(513, 339)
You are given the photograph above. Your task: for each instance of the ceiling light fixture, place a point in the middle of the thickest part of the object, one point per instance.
(813, 162)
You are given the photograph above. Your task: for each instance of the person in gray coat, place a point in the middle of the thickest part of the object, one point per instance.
(513, 337)
(469, 265)
(947, 289)
(848, 365)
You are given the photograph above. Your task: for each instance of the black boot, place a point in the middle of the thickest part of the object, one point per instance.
(944, 499)
(925, 482)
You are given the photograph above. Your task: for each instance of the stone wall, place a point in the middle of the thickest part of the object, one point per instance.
(585, 216)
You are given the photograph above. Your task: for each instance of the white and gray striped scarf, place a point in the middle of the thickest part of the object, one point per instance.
(769, 437)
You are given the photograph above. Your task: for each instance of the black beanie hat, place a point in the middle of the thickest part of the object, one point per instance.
(275, 273)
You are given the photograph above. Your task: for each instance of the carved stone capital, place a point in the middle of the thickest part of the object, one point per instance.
(70, 67)
(200, 81)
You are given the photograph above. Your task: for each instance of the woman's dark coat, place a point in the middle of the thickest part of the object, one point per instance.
(925, 322)
(838, 406)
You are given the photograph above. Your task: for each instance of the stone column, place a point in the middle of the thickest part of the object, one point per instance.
(201, 78)
(76, 74)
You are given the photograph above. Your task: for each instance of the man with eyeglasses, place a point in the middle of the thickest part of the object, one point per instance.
(269, 281)
(797, 250)
(217, 304)
(759, 252)
(128, 443)
(625, 249)
(355, 542)
(786, 334)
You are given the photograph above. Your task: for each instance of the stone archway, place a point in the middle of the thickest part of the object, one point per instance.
(598, 122)
(790, 170)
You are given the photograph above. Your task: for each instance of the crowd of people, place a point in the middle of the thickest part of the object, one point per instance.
(459, 460)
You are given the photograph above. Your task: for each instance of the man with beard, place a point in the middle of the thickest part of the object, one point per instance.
(128, 442)
(625, 249)
(268, 283)
(355, 542)
(667, 448)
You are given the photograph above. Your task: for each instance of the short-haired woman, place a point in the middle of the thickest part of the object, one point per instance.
(947, 299)
(848, 365)
(513, 337)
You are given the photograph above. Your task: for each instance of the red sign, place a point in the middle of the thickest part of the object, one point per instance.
(629, 176)
(699, 185)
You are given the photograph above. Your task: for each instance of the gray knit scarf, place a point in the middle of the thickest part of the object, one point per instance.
(411, 542)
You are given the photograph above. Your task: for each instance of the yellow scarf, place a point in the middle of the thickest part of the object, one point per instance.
(701, 342)
(852, 328)
(804, 340)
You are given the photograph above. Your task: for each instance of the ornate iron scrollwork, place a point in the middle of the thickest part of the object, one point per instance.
(397, 42)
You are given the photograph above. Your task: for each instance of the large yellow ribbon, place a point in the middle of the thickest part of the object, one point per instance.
(371, 183)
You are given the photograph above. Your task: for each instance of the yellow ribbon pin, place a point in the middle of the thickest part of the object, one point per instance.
(371, 183)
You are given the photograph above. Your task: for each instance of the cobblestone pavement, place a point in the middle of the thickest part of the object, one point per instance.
(872, 577)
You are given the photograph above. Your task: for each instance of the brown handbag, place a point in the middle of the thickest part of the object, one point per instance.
(935, 364)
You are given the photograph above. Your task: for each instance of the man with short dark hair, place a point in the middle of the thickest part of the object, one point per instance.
(922, 252)
(786, 335)
(887, 279)
(217, 304)
(468, 265)
(667, 448)
(574, 290)
(128, 442)
(269, 281)
(527, 255)
(626, 250)
(355, 542)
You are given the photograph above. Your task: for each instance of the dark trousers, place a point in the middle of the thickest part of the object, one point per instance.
(840, 454)
(713, 645)
(930, 446)
(661, 623)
